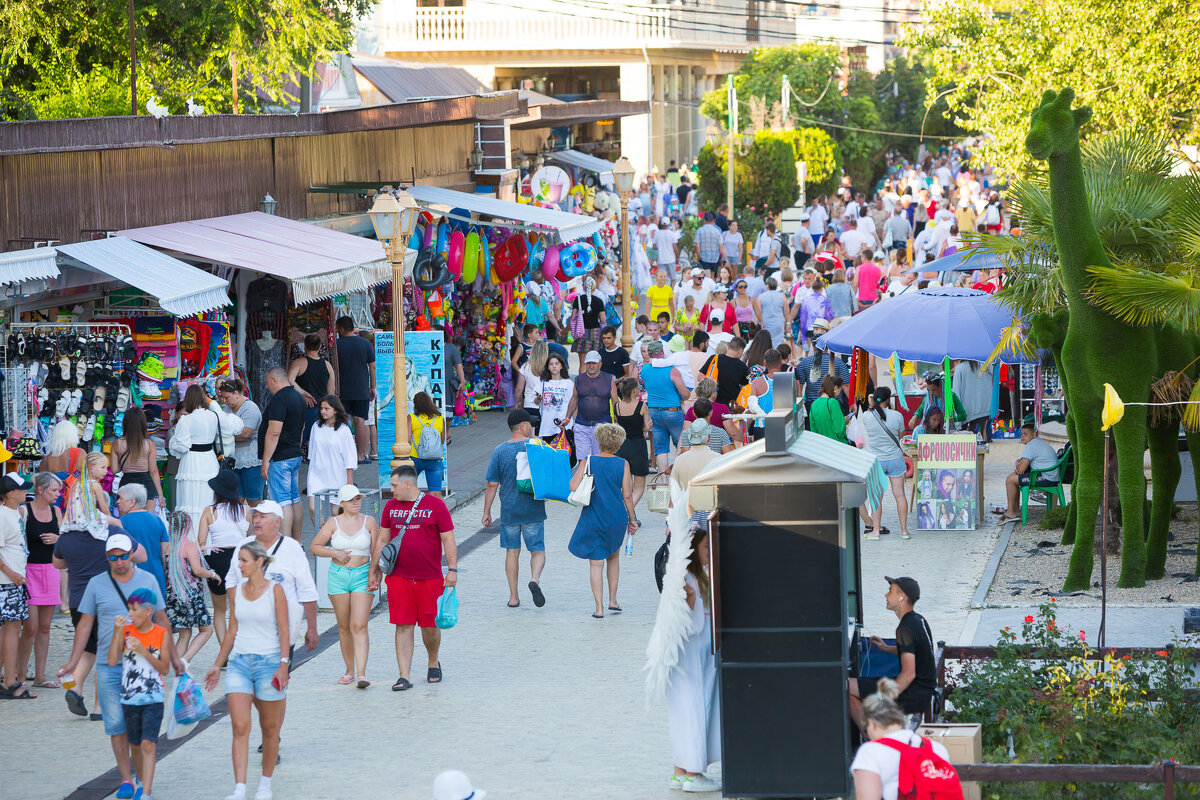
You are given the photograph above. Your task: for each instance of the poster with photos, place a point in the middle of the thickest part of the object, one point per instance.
(946, 482)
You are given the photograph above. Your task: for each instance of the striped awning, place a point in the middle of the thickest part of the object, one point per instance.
(180, 288)
(845, 458)
(27, 265)
(568, 227)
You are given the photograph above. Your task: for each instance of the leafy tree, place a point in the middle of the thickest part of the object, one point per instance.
(59, 58)
(1134, 62)
(764, 174)
(821, 155)
(811, 70)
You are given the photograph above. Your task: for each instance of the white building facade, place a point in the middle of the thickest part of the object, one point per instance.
(667, 54)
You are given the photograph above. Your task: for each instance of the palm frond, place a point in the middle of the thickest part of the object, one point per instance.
(1185, 214)
(1191, 412)
(1013, 341)
(1142, 297)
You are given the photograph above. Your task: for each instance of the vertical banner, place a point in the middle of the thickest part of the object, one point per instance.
(947, 483)
(424, 360)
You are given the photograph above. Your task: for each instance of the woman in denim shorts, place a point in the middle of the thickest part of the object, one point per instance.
(257, 670)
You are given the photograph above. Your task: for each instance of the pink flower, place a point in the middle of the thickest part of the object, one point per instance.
(1082, 636)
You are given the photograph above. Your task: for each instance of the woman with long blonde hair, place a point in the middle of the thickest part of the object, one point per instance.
(528, 388)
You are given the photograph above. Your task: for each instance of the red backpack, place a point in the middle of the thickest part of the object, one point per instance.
(924, 775)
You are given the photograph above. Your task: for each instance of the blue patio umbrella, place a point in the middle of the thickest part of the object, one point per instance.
(966, 260)
(927, 325)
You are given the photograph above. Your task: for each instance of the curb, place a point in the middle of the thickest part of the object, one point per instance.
(989, 572)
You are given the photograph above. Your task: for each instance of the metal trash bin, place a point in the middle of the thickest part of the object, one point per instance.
(326, 499)
(787, 604)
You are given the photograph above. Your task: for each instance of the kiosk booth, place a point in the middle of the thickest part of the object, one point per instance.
(787, 602)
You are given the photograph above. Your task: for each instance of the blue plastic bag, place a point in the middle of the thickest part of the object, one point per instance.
(447, 609)
(876, 663)
(550, 471)
(190, 705)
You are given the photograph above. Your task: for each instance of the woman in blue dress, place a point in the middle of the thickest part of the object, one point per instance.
(604, 522)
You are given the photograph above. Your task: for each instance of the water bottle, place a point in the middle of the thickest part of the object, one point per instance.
(628, 544)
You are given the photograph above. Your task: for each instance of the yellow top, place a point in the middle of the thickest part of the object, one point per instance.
(660, 300)
(419, 423)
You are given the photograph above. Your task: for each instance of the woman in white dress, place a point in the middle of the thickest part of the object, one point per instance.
(681, 666)
(193, 442)
(332, 454)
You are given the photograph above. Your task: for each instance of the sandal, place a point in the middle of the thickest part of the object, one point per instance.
(363, 683)
(435, 674)
(514, 605)
(10, 692)
(47, 685)
(616, 609)
(345, 680)
(401, 684)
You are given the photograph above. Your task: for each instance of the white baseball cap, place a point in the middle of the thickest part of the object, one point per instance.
(697, 272)
(348, 493)
(592, 357)
(119, 541)
(454, 784)
(269, 507)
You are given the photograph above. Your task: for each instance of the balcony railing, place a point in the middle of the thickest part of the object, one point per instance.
(494, 27)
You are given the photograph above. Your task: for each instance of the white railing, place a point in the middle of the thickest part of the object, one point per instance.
(486, 26)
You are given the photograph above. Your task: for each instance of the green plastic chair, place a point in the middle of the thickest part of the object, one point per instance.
(1064, 466)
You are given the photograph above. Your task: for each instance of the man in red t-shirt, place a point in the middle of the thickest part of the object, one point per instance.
(416, 583)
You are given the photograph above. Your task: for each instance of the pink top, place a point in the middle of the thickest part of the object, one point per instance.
(744, 313)
(868, 282)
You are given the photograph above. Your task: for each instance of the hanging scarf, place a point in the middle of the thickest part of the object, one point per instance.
(859, 374)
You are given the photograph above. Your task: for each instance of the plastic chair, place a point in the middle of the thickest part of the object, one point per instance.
(1052, 489)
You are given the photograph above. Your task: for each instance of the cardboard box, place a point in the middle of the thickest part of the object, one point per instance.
(964, 743)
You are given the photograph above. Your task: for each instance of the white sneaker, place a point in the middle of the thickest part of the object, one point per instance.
(675, 782)
(263, 793)
(700, 784)
(236, 795)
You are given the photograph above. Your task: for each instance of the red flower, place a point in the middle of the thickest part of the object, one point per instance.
(1126, 657)
(1052, 600)
(1162, 653)
(1082, 636)
(1050, 625)
(1028, 619)
(1005, 627)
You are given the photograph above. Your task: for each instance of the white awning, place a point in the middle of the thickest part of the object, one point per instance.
(569, 227)
(27, 265)
(180, 288)
(602, 167)
(318, 262)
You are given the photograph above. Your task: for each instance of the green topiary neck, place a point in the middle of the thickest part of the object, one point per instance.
(1074, 232)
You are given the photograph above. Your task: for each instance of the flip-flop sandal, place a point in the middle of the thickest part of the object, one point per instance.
(363, 683)
(514, 605)
(60, 405)
(435, 674)
(615, 609)
(76, 399)
(47, 685)
(345, 680)
(89, 431)
(1005, 519)
(539, 599)
(123, 399)
(401, 685)
(81, 373)
(883, 529)
(95, 716)
(100, 426)
(64, 367)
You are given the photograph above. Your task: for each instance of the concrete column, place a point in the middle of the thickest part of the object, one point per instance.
(658, 125)
(636, 131)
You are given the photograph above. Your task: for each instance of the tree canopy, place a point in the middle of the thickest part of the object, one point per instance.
(1135, 62)
(71, 59)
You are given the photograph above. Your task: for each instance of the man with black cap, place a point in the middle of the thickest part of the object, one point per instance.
(522, 518)
(914, 644)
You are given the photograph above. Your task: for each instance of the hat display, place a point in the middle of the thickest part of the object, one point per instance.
(592, 357)
(911, 589)
(119, 541)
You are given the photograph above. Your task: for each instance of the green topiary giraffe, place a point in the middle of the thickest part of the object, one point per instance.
(1098, 348)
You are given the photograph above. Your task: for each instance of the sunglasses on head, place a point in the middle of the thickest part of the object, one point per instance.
(124, 557)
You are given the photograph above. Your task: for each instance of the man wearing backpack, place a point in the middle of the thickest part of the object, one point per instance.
(914, 645)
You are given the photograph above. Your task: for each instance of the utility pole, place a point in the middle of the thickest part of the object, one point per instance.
(785, 100)
(731, 98)
(133, 104)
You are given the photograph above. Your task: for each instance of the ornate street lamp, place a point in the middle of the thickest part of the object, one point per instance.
(623, 176)
(394, 215)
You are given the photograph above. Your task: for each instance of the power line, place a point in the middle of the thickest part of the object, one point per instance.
(881, 133)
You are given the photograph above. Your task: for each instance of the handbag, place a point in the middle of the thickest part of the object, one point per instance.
(561, 442)
(576, 323)
(909, 467)
(223, 461)
(581, 495)
(658, 495)
(660, 561)
(391, 550)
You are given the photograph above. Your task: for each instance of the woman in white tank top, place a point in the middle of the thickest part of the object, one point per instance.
(257, 669)
(346, 539)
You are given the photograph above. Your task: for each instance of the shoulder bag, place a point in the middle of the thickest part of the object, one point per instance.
(391, 550)
(909, 466)
(581, 495)
(223, 461)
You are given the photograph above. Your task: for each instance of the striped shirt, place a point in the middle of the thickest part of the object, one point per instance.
(708, 243)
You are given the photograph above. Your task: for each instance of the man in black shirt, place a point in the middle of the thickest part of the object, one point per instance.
(914, 644)
(722, 219)
(732, 372)
(614, 359)
(279, 437)
(356, 382)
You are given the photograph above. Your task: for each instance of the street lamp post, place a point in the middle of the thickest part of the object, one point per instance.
(393, 217)
(623, 177)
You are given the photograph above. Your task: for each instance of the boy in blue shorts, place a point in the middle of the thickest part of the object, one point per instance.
(137, 646)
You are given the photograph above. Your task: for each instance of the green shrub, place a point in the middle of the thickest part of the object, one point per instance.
(1054, 518)
(1060, 708)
